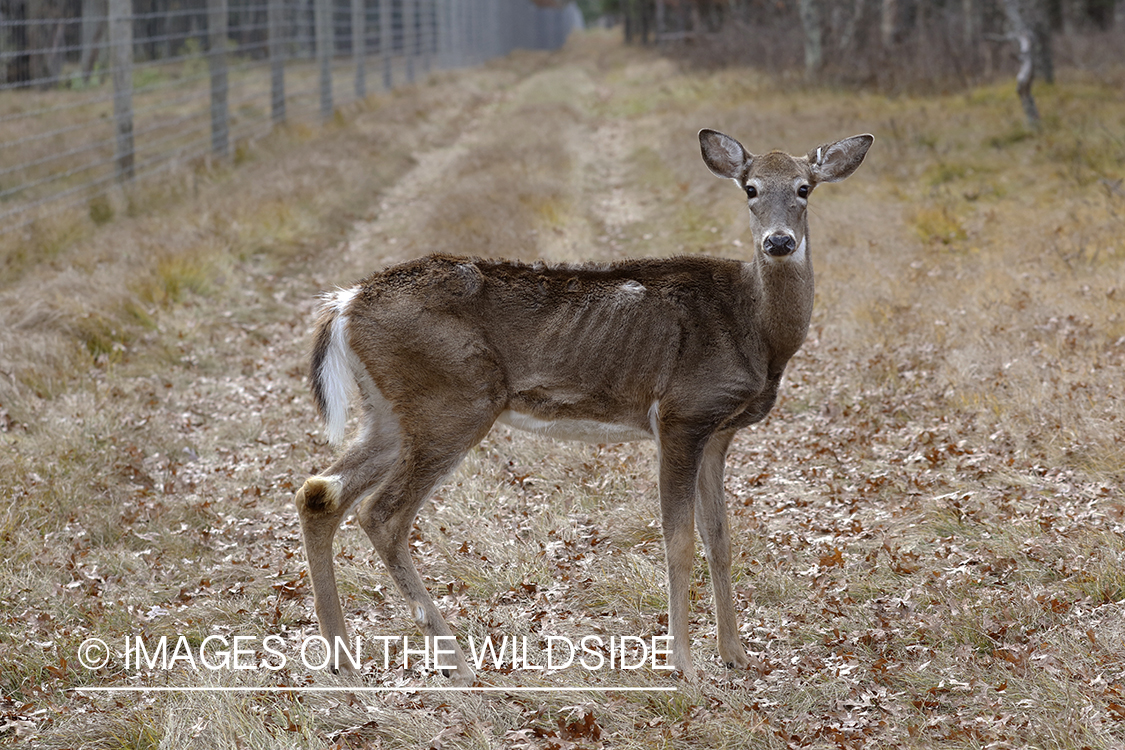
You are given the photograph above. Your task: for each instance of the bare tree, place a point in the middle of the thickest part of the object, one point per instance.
(1021, 34)
(850, 26)
(1037, 18)
(897, 20)
(93, 35)
(970, 22)
(813, 27)
(45, 33)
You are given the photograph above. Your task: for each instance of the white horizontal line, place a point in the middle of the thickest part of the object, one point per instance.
(421, 689)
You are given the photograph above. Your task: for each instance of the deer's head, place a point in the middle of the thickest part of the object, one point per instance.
(778, 186)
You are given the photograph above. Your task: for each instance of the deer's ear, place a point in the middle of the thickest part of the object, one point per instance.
(722, 154)
(835, 161)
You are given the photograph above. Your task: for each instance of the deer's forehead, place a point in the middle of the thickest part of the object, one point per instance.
(776, 167)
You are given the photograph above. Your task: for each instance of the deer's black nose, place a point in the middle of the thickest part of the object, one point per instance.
(779, 244)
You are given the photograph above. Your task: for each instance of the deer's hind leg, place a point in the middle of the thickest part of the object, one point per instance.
(437, 441)
(324, 500)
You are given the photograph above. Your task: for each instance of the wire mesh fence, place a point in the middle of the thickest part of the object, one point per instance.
(95, 93)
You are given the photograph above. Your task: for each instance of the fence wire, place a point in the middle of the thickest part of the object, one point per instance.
(95, 93)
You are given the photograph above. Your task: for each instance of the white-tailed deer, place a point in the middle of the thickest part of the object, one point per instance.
(683, 351)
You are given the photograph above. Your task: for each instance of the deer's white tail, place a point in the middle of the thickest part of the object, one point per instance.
(333, 369)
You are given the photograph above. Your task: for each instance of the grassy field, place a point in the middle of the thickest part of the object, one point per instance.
(929, 528)
(57, 145)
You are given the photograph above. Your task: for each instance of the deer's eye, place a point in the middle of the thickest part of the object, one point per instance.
(751, 191)
(803, 191)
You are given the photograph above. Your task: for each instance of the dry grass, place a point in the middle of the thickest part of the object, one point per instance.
(61, 142)
(929, 527)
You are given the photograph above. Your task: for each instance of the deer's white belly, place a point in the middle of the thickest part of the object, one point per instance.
(586, 430)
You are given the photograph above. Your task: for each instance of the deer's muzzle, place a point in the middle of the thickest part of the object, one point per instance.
(779, 245)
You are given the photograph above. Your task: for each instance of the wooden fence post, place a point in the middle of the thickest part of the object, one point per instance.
(428, 35)
(121, 42)
(217, 17)
(276, 23)
(323, 11)
(409, 37)
(444, 37)
(359, 47)
(458, 32)
(386, 42)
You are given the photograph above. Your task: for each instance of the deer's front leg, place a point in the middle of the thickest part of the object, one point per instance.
(711, 517)
(679, 468)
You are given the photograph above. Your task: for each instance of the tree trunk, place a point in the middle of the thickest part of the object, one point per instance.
(897, 21)
(813, 29)
(93, 34)
(1023, 37)
(1101, 13)
(1038, 23)
(887, 24)
(42, 42)
(1024, 78)
(971, 23)
(850, 27)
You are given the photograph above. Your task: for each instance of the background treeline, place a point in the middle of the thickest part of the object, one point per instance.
(888, 44)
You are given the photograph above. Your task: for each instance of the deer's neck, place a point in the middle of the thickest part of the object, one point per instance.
(784, 305)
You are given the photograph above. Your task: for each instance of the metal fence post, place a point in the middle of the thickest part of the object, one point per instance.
(276, 23)
(121, 40)
(359, 46)
(217, 63)
(323, 12)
